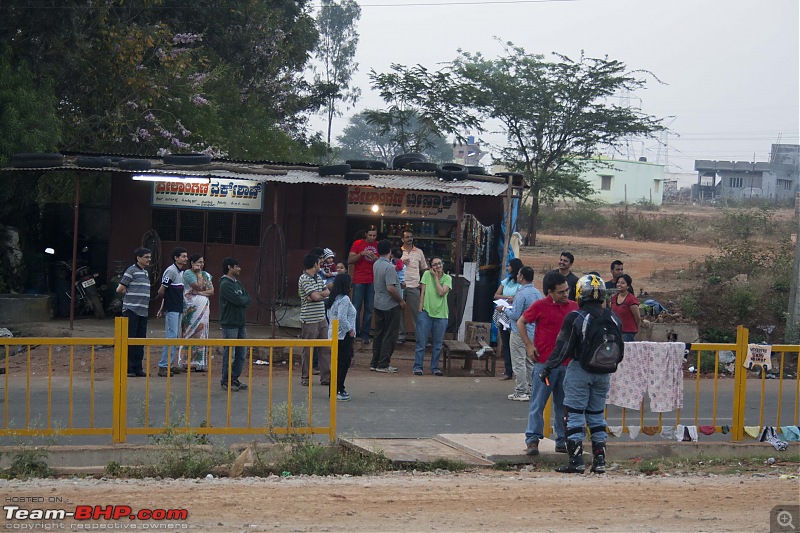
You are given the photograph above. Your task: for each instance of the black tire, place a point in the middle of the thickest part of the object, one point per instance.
(334, 170)
(476, 170)
(515, 175)
(401, 161)
(451, 172)
(134, 164)
(356, 176)
(92, 162)
(187, 159)
(37, 160)
(366, 164)
(422, 166)
(93, 301)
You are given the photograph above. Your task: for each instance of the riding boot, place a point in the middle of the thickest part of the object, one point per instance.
(599, 459)
(575, 464)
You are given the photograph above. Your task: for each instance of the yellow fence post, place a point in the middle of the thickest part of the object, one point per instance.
(740, 384)
(334, 387)
(118, 420)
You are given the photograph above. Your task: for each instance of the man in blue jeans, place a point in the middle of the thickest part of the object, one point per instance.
(584, 392)
(172, 308)
(233, 302)
(363, 255)
(547, 313)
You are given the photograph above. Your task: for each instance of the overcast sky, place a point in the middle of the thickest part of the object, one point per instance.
(730, 66)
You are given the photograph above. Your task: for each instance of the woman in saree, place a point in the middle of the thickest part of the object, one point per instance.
(197, 288)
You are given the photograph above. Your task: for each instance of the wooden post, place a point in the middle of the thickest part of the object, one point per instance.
(459, 229)
(507, 236)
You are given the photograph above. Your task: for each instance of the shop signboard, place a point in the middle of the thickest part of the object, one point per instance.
(220, 193)
(429, 205)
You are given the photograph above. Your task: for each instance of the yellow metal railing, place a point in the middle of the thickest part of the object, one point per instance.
(735, 419)
(120, 409)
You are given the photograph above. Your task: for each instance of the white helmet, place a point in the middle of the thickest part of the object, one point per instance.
(590, 288)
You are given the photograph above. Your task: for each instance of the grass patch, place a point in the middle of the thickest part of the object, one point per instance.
(451, 465)
(314, 459)
(28, 462)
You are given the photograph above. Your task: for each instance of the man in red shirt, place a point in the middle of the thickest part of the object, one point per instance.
(363, 254)
(548, 314)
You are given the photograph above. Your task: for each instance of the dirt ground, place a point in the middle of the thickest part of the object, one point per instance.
(478, 501)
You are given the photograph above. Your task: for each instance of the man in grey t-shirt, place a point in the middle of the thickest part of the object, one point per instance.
(389, 306)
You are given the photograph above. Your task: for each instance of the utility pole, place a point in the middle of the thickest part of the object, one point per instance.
(793, 324)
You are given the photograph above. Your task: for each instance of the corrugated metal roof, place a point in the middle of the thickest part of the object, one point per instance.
(423, 181)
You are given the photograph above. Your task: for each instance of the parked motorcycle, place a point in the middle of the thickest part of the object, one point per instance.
(86, 290)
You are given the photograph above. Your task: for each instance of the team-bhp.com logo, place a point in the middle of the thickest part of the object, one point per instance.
(87, 516)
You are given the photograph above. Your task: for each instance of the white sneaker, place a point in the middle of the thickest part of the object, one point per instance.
(387, 370)
(519, 397)
(343, 396)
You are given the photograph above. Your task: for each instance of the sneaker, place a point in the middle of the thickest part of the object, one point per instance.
(343, 396)
(401, 340)
(315, 371)
(373, 368)
(533, 448)
(417, 372)
(519, 397)
(240, 385)
(437, 372)
(234, 386)
(387, 370)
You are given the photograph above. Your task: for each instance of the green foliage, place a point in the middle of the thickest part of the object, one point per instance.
(556, 115)
(179, 455)
(441, 463)
(745, 223)
(717, 335)
(28, 462)
(336, 50)
(364, 140)
(289, 419)
(649, 467)
(316, 459)
(689, 305)
(581, 216)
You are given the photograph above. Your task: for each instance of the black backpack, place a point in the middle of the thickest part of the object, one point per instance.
(602, 347)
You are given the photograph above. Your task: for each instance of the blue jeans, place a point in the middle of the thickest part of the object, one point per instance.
(435, 326)
(363, 293)
(238, 354)
(172, 330)
(585, 399)
(539, 395)
(628, 337)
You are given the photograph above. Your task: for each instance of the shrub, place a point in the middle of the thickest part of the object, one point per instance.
(29, 462)
(314, 459)
(689, 305)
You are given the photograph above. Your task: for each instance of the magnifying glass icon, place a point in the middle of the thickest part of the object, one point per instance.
(784, 519)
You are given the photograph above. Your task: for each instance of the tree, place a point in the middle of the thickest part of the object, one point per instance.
(364, 140)
(338, 40)
(149, 76)
(557, 116)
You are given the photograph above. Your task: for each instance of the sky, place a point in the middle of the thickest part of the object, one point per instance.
(731, 68)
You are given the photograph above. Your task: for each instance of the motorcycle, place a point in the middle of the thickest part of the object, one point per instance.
(86, 289)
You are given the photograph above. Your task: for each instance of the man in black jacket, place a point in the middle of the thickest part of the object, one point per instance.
(584, 392)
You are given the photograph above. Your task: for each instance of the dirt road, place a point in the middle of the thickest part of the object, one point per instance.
(652, 265)
(481, 501)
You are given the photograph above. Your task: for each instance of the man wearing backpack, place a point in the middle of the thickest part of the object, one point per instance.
(592, 336)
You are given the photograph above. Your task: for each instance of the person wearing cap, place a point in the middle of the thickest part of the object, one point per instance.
(328, 270)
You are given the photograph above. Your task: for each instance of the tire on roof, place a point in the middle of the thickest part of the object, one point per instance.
(334, 170)
(366, 164)
(401, 161)
(187, 159)
(356, 176)
(451, 172)
(92, 161)
(37, 160)
(422, 166)
(134, 164)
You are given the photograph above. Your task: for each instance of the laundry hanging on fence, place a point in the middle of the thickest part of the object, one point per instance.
(758, 355)
(652, 367)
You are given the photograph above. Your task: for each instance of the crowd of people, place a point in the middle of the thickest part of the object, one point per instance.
(540, 332)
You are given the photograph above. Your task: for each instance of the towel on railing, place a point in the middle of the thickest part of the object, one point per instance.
(652, 367)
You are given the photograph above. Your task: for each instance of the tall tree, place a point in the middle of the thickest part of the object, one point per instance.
(556, 115)
(336, 50)
(143, 76)
(364, 140)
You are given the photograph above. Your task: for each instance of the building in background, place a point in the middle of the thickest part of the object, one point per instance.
(621, 181)
(777, 179)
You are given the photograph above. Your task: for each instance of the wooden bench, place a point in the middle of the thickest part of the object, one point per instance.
(459, 350)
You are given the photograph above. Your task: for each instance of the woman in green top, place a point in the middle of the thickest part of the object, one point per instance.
(433, 315)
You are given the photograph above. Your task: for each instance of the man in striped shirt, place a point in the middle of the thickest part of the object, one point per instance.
(135, 290)
(313, 324)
